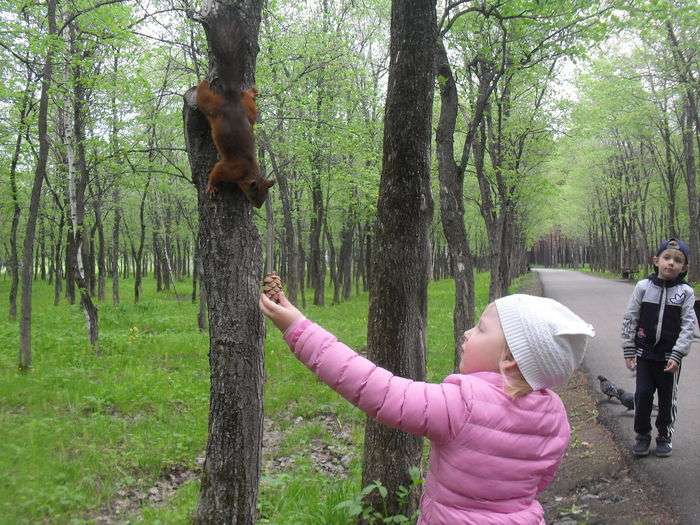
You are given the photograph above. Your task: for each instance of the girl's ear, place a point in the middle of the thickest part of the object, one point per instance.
(508, 366)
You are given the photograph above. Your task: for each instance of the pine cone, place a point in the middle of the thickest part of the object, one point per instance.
(272, 286)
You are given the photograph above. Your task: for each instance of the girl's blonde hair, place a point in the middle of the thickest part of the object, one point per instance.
(515, 384)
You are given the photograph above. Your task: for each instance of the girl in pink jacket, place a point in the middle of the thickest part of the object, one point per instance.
(497, 432)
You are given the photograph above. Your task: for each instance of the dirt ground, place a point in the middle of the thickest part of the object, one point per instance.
(594, 484)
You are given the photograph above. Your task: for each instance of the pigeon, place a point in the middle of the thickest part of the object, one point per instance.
(626, 398)
(620, 394)
(607, 387)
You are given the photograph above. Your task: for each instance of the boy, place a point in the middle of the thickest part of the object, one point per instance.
(657, 330)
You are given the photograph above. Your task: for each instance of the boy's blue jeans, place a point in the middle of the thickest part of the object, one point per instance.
(652, 378)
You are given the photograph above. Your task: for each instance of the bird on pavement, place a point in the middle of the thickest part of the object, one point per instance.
(610, 390)
(607, 387)
(626, 398)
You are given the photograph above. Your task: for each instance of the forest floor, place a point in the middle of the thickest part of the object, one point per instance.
(594, 484)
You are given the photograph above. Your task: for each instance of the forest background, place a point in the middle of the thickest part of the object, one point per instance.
(566, 133)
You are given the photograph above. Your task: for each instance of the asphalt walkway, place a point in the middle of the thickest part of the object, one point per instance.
(602, 302)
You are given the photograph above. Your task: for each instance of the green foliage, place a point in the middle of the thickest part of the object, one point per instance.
(357, 507)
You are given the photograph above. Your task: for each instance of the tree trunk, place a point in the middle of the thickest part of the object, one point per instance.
(69, 262)
(301, 254)
(368, 259)
(42, 251)
(89, 262)
(232, 271)
(359, 254)
(16, 210)
(318, 278)
(25, 350)
(195, 273)
(58, 264)
(137, 254)
(332, 261)
(292, 277)
(693, 209)
(269, 222)
(452, 203)
(396, 334)
(77, 188)
(345, 257)
(488, 211)
(167, 246)
(116, 198)
(156, 262)
(202, 312)
(52, 243)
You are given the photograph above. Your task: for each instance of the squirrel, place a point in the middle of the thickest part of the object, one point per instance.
(231, 120)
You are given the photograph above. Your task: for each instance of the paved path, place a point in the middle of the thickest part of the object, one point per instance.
(602, 303)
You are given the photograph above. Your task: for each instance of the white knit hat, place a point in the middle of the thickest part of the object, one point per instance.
(546, 339)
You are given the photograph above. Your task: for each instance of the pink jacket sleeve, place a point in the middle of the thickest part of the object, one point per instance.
(437, 411)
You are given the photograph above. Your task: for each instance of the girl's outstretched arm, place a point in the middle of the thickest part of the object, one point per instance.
(437, 411)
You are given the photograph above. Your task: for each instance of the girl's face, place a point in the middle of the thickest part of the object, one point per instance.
(484, 344)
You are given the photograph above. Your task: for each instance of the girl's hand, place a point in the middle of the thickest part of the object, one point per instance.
(282, 314)
(631, 362)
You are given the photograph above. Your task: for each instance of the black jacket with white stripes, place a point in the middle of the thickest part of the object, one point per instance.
(659, 322)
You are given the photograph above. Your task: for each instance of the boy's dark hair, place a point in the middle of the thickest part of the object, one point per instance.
(674, 244)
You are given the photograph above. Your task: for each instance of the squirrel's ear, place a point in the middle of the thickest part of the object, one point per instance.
(269, 183)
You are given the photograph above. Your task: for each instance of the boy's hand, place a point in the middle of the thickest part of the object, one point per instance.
(282, 314)
(631, 362)
(671, 367)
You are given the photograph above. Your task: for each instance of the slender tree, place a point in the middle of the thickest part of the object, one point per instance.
(396, 334)
(25, 351)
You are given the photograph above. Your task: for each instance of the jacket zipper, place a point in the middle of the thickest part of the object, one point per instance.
(662, 307)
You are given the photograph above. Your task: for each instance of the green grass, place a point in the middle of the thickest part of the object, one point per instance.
(601, 273)
(79, 427)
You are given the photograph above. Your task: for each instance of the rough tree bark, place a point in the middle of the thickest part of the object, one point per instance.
(25, 330)
(396, 334)
(452, 200)
(231, 275)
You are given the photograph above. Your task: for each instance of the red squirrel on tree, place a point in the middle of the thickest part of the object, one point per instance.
(231, 121)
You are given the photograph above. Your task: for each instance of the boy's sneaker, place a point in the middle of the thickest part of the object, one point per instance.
(663, 447)
(641, 445)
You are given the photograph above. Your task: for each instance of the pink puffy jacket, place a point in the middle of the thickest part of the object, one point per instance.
(491, 454)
